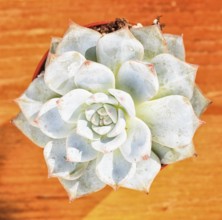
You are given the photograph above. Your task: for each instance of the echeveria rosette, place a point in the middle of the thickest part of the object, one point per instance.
(110, 109)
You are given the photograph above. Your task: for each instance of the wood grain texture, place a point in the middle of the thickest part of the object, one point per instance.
(187, 190)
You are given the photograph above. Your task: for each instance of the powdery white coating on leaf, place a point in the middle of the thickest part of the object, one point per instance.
(106, 144)
(137, 146)
(115, 48)
(30, 108)
(50, 121)
(175, 76)
(84, 128)
(102, 130)
(58, 166)
(112, 112)
(80, 39)
(59, 75)
(34, 97)
(152, 40)
(79, 149)
(72, 104)
(113, 169)
(52, 50)
(199, 101)
(125, 100)
(39, 91)
(138, 79)
(94, 77)
(119, 126)
(101, 98)
(31, 132)
(169, 155)
(171, 120)
(86, 184)
(175, 45)
(146, 171)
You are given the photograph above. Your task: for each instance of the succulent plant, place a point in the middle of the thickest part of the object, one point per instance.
(110, 109)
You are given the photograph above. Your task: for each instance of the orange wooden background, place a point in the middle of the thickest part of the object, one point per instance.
(191, 189)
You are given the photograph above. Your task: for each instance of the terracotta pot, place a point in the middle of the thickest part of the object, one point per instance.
(41, 65)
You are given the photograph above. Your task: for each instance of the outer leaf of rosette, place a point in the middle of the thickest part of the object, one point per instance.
(34, 97)
(32, 132)
(52, 50)
(50, 122)
(146, 171)
(86, 184)
(175, 45)
(115, 48)
(113, 169)
(152, 40)
(171, 120)
(58, 165)
(80, 39)
(59, 75)
(169, 155)
(175, 77)
(199, 101)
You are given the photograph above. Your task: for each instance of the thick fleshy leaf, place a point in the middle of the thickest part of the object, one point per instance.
(111, 112)
(119, 126)
(106, 144)
(171, 120)
(91, 110)
(113, 169)
(30, 108)
(125, 100)
(102, 130)
(199, 101)
(84, 128)
(101, 98)
(137, 146)
(115, 48)
(95, 120)
(79, 149)
(175, 45)
(80, 39)
(50, 121)
(72, 104)
(33, 133)
(58, 166)
(52, 50)
(169, 155)
(138, 79)
(107, 121)
(175, 76)
(94, 77)
(59, 75)
(146, 171)
(86, 184)
(33, 98)
(151, 39)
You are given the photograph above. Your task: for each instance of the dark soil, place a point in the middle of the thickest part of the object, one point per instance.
(120, 23)
(112, 26)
